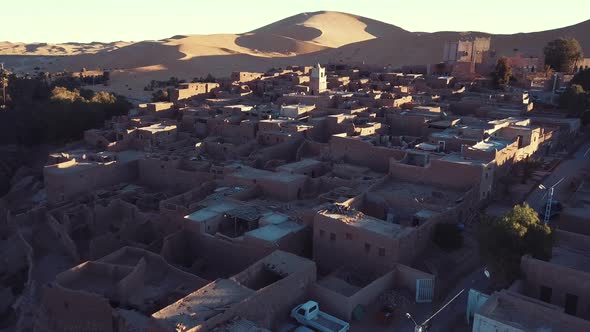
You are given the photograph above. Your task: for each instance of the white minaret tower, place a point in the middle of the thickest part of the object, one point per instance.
(318, 81)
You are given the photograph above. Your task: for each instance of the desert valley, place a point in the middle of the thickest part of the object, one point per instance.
(304, 39)
(323, 173)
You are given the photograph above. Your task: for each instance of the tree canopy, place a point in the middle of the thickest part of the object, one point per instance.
(208, 79)
(503, 241)
(160, 95)
(576, 101)
(582, 78)
(562, 54)
(42, 112)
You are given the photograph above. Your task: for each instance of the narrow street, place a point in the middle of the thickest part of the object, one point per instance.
(453, 318)
(569, 170)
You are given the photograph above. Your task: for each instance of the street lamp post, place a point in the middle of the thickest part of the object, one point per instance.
(424, 326)
(554, 87)
(548, 206)
(417, 328)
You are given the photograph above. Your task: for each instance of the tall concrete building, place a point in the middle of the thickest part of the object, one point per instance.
(318, 81)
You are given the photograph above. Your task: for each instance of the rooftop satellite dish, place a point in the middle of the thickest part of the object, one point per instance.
(487, 273)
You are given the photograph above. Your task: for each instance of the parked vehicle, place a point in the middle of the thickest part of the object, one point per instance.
(309, 314)
(293, 328)
(303, 329)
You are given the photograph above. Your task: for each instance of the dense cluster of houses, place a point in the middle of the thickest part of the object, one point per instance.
(237, 200)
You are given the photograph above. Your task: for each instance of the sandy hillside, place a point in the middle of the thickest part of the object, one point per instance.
(301, 39)
(427, 48)
(44, 49)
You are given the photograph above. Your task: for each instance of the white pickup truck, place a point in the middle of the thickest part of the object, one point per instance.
(309, 314)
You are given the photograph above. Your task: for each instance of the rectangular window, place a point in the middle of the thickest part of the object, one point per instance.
(382, 252)
(348, 236)
(322, 232)
(332, 237)
(545, 294)
(367, 247)
(571, 304)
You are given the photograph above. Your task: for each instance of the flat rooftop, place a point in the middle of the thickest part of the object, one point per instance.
(239, 106)
(527, 314)
(239, 325)
(250, 173)
(360, 220)
(81, 164)
(158, 127)
(421, 114)
(211, 211)
(458, 158)
(274, 233)
(452, 133)
(423, 193)
(304, 163)
(198, 307)
(512, 120)
(273, 218)
(490, 145)
(284, 177)
(571, 257)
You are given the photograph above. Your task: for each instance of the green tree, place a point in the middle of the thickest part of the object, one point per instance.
(582, 78)
(103, 97)
(210, 79)
(503, 72)
(503, 241)
(563, 54)
(40, 112)
(59, 93)
(575, 101)
(160, 95)
(173, 81)
(4, 83)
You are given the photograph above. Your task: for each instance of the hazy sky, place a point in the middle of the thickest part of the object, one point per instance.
(134, 20)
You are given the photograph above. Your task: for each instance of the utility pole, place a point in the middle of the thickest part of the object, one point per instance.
(554, 87)
(549, 204)
(424, 326)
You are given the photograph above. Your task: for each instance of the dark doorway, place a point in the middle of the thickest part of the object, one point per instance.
(571, 304)
(546, 293)
(520, 141)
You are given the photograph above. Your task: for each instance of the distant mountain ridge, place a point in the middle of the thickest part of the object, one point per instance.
(305, 38)
(336, 34)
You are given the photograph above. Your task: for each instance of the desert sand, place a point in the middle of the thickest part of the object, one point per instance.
(301, 39)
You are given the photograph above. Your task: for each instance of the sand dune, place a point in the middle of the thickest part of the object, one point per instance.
(44, 49)
(301, 39)
(328, 29)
